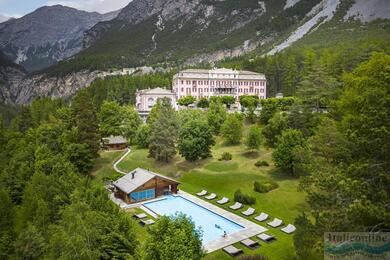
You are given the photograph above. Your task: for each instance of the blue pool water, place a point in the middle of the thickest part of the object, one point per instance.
(203, 218)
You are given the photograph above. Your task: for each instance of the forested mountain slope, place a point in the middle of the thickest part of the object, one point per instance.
(175, 32)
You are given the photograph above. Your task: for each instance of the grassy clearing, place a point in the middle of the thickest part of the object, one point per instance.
(225, 177)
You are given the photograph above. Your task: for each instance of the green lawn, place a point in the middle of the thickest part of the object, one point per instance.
(223, 178)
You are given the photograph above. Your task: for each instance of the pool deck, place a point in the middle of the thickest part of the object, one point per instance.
(251, 229)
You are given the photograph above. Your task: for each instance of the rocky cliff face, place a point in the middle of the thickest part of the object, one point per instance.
(158, 30)
(10, 76)
(54, 87)
(47, 35)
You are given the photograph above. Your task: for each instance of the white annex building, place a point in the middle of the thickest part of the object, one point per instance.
(218, 82)
(145, 99)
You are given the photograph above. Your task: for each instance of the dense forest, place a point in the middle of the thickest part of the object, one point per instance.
(333, 135)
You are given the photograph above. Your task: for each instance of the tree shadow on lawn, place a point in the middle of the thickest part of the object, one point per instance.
(278, 175)
(251, 154)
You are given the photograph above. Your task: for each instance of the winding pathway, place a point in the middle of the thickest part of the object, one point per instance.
(115, 165)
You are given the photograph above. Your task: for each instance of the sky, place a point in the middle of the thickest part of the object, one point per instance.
(18, 8)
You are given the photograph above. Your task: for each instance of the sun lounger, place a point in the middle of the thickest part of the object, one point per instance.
(250, 243)
(266, 238)
(202, 193)
(232, 250)
(211, 196)
(224, 200)
(236, 206)
(249, 211)
(147, 222)
(289, 229)
(140, 216)
(263, 216)
(275, 223)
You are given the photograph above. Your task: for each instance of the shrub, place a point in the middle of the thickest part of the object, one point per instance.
(226, 157)
(264, 187)
(203, 103)
(244, 198)
(261, 163)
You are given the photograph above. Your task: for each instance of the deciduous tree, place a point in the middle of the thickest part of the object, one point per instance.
(283, 154)
(232, 128)
(173, 237)
(253, 140)
(195, 140)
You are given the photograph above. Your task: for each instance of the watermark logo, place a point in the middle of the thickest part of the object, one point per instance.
(356, 245)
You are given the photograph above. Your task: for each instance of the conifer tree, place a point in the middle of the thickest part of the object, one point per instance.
(164, 131)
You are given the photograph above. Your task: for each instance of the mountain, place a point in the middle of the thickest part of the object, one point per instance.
(4, 18)
(190, 32)
(176, 33)
(47, 35)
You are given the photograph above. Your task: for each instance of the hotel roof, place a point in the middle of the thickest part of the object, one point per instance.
(137, 178)
(220, 71)
(115, 139)
(155, 91)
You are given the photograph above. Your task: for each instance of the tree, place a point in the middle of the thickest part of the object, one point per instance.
(306, 237)
(253, 140)
(6, 223)
(203, 103)
(317, 88)
(231, 129)
(186, 101)
(30, 243)
(186, 115)
(250, 103)
(85, 121)
(276, 125)
(283, 154)
(195, 140)
(268, 109)
(110, 119)
(228, 100)
(216, 116)
(142, 138)
(164, 131)
(80, 156)
(173, 238)
(130, 123)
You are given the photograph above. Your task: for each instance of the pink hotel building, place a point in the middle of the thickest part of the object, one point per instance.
(218, 82)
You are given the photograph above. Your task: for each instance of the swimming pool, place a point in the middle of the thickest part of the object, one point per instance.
(212, 224)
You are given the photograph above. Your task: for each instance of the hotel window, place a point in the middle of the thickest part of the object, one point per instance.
(143, 195)
(200, 82)
(182, 89)
(251, 90)
(194, 90)
(261, 90)
(182, 82)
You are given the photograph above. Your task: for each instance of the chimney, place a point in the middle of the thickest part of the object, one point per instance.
(132, 175)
